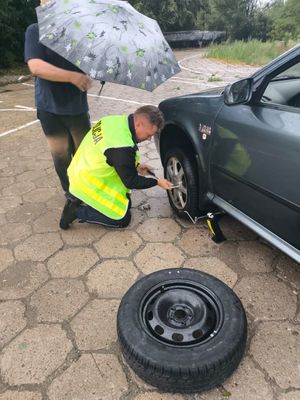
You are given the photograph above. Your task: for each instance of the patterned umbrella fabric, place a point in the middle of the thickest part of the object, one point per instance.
(108, 40)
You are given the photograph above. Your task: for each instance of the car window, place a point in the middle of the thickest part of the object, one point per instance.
(284, 88)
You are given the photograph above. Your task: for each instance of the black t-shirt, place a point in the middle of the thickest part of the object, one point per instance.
(55, 97)
(123, 160)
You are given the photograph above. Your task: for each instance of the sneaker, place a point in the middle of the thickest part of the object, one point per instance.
(69, 214)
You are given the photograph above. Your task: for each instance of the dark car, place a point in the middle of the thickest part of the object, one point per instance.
(238, 149)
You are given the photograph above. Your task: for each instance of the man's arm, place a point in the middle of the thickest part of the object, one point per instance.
(123, 160)
(49, 72)
(34, 54)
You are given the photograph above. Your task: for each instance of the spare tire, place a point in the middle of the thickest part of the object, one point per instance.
(182, 330)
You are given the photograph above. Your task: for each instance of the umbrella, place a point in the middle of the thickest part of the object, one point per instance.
(108, 40)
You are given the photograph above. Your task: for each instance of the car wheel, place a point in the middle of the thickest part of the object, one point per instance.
(179, 170)
(182, 330)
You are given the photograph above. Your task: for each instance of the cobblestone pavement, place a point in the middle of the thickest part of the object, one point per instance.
(60, 290)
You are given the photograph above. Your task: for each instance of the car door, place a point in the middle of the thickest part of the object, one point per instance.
(255, 159)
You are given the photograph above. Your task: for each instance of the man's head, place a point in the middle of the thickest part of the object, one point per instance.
(43, 2)
(148, 120)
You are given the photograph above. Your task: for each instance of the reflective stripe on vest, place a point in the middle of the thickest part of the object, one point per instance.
(92, 180)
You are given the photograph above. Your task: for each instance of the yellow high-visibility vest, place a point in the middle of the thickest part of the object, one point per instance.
(92, 179)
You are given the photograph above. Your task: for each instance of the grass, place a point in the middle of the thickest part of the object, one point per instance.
(253, 52)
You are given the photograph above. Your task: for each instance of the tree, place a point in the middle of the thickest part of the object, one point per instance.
(15, 15)
(233, 16)
(172, 15)
(285, 20)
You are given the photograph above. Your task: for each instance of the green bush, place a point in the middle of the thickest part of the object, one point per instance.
(15, 16)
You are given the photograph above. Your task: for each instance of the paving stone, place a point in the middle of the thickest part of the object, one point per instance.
(13, 233)
(18, 189)
(263, 295)
(95, 325)
(48, 222)
(197, 242)
(156, 256)
(48, 181)
(56, 202)
(153, 155)
(21, 279)
(248, 383)
(235, 230)
(30, 176)
(137, 218)
(92, 377)
(155, 191)
(112, 278)
(26, 213)
(59, 300)
(276, 347)
(31, 248)
(24, 395)
(3, 220)
(137, 198)
(4, 182)
(72, 262)
(82, 234)
(159, 230)
(158, 396)
(9, 202)
(12, 320)
(6, 257)
(256, 257)
(215, 267)
(40, 195)
(159, 208)
(294, 395)
(288, 270)
(118, 244)
(28, 359)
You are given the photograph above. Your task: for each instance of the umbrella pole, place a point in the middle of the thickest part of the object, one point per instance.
(102, 84)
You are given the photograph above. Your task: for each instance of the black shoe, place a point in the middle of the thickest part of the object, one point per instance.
(69, 214)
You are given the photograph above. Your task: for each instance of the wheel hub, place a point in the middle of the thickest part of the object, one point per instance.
(181, 313)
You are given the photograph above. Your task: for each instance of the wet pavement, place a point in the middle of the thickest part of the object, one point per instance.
(60, 290)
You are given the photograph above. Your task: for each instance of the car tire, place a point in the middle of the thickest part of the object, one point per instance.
(179, 169)
(182, 330)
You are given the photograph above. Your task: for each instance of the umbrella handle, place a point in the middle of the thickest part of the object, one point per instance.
(102, 84)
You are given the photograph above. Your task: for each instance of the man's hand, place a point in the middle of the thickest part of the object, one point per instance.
(144, 169)
(165, 184)
(48, 71)
(81, 81)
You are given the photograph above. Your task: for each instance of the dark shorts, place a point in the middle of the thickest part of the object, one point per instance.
(60, 125)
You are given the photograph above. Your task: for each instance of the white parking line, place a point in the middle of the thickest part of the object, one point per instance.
(25, 108)
(17, 109)
(189, 69)
(17, 129)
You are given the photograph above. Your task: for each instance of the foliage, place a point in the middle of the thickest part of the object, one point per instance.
(253, 52)
(241, 19)
(15, 15)
(172, 15)
(285, 18)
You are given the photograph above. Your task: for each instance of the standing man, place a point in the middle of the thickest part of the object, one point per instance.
(61, 101)
(105, 168)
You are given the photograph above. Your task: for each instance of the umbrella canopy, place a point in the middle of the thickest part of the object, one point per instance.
(108, 40)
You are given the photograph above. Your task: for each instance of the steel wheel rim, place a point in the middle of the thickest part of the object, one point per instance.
(175, 174)
(181, 313)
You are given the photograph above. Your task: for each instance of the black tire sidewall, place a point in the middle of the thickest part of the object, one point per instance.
(191, 180)
(134, 337)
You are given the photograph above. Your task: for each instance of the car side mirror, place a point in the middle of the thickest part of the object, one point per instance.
(238, 92)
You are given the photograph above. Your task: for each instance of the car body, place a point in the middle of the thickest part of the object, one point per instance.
(238, 149)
